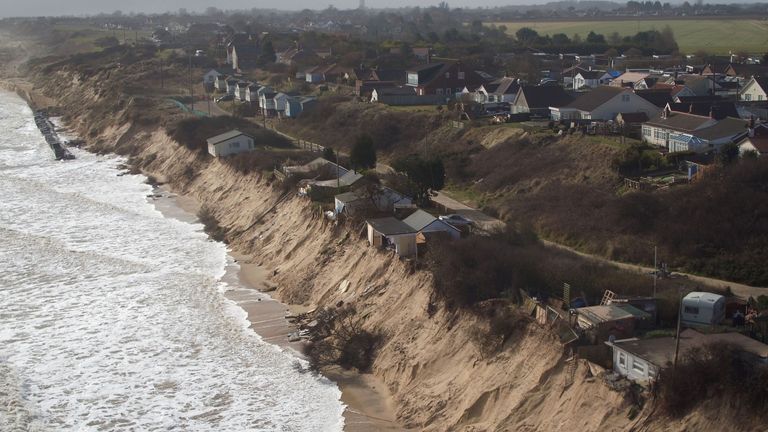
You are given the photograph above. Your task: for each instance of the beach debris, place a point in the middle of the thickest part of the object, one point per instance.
(344, 286)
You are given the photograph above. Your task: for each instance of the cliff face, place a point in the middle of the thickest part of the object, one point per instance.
(433, 365)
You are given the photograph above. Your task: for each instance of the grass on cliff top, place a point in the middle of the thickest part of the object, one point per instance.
(192, 132)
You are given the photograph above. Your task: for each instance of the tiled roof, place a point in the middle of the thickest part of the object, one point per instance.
(593, 99)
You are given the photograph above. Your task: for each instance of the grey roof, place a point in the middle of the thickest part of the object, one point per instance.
(419, 220)
(595, 98)
(225, 136)
(506, 85)
(661, 351)
(348, 197)
(390, 226)
(607, 313)
(678, 121)
(348, 179)
(727, 127)
(544, 96)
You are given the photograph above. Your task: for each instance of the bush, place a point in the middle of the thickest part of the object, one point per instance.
(339, 339)
(712, 369)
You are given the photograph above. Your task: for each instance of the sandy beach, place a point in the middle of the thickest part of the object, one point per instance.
(370, 406)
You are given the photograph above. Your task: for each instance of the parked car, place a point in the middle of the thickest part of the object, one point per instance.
(456, 220)
(227, 97)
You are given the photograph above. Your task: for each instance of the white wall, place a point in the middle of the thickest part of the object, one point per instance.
(752, 92)
(634, 368)
(622, 103)
(238, 144)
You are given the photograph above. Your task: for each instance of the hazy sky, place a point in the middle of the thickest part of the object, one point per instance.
(79, 7)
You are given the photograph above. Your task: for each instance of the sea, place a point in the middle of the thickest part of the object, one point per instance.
(113, 317)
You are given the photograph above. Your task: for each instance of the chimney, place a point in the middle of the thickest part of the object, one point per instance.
(712, 113)
(690, 109)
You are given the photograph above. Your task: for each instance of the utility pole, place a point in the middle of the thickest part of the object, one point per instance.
(162, 84)
(191, 85)
(655, 271)
(677, 334)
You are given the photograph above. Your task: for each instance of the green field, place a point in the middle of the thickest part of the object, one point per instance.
(710, 35)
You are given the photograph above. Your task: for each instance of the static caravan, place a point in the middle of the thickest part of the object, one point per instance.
(703, 308)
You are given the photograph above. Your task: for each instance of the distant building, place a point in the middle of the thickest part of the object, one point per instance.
(680, 132)
(442, 79)
(603, 103)
(230, 143)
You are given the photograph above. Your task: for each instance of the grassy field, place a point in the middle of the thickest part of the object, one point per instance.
(712, 36)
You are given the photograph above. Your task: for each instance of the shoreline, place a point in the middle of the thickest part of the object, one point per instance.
(369, 406)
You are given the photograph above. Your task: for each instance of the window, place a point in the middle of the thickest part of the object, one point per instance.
(622, 359)
(439, 91)
(638, 367)
(691, 310)
(234, 145)
(759, 97)
(461, 75)
(625, 98)
(747, 97)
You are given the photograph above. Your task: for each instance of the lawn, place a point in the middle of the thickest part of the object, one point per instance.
(710, 35)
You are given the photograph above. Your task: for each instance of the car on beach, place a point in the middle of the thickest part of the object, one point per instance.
(456, 220)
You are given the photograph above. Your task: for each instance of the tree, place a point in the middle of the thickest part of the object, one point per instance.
(595, 38)
(267, 54)
(526, 35)
(424, 175)
(560, 39)
(614, 39)
(728, 153)
(363, 154)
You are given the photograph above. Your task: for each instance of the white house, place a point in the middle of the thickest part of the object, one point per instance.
(242, 90)
(678, 131)
(390, 232)
(230, 143)
(756, 89)
(232, 86)
(381, 199)
(281, 100)
(589, 79)
(703, 308)
(641, 360)
(755, 141)
(251, 93)
(427, 225)
(220, 83)
(603, 103)
(267, 100)
(210, 77)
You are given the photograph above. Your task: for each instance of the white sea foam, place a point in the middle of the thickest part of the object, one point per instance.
(112, 317)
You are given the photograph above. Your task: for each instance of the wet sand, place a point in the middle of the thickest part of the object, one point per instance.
(370, 406)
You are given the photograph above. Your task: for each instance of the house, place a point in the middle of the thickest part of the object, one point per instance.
(422, 53)
(230, 143)
(448, 78)
(252, 93)
(326, 73)
(231, 86)
(281, 102)
(681, 132)
(241, 90)
(319, 166)
(629, 79)
(209, 78)
(658, 97)
(220, 83)
(501, 90)
(370, 79)
(345, 181)
(390, 232)
(428, 226)
(570, 73)
(756, 89)
(587, 79)
(703, 308)
(267, 100)
(608, 76)
(631, 121)
(404, 96)
(605, 322)
(537, 100)
(603, 103)
(379, 199)
(296, 105)
(640, 360)
(243, 52)
(755, 141)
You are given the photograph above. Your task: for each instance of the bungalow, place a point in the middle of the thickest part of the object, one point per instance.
(603, 103)
(220, 83)
(296, 105)
(267, 100)
(679, 131)
(389, 232)
(231, 86)
(241, 91)
(325, 73)
(229, 143)
(370, 79)
(380, 199)
(501, 90)
(606, 322)
(608, 76)
(587, 79)
(756, 142)
(641, 360)
(537, 100)
(629, 79)
(209, 79)
(448, 78)
(320, 166)
(252, 93)
(428, 226)
(756, 89)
